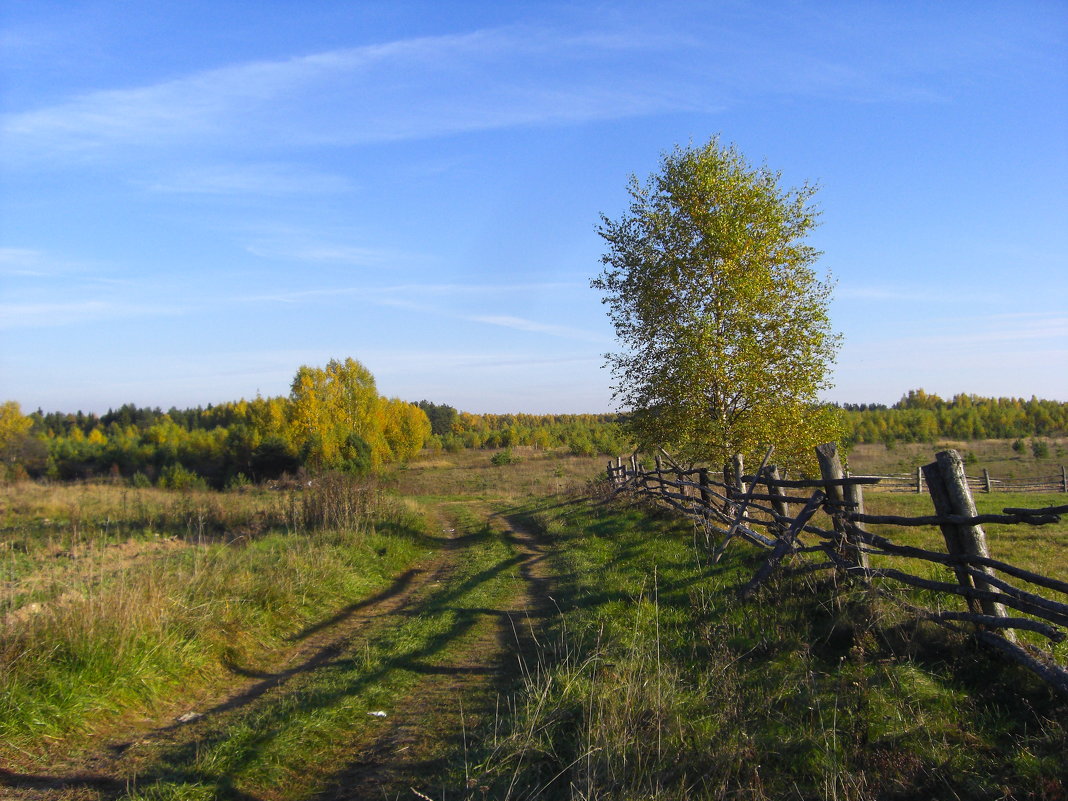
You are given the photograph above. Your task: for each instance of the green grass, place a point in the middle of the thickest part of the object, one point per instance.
(654, 682)
(125, 628)
(282, 748)
(996, 455)
(664, 685)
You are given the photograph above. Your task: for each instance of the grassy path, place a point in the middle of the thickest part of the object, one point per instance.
(431, 652)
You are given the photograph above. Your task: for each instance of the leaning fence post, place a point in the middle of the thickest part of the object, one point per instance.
(831, 470)
(986, 481)
(948, 485)
(1064, 479)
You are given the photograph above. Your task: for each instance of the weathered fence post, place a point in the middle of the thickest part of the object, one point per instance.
(706, 493)
(854, 494)
(781, 508)
(948, 485)
(919, 480)
(986, 481)
(831, 470)
(1064, 479)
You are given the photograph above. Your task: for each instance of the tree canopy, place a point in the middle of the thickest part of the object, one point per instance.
(709, 282)
(341, 422)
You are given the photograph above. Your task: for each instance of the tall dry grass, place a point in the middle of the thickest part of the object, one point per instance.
(97, 622)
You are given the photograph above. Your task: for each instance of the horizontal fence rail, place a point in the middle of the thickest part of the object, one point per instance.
(914, 482)
(778, 515)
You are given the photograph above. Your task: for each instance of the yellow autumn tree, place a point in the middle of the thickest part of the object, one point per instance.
(341, 422)
(14, 438)
(13, 423)
(407, 427)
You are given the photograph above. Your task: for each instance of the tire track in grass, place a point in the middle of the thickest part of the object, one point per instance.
(429, 728)
(435, 648)
(113, 770)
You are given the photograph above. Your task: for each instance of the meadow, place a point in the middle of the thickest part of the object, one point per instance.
(641, 673)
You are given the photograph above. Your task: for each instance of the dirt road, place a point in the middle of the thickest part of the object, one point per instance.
(448, 686)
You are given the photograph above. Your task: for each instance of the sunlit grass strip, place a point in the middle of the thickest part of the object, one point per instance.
(665, 686)
(285, 743)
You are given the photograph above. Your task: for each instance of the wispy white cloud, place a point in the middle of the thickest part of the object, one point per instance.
(431, 360)
(906, 294)
(521, 324)
(17, 315)
(19, 262)
(250, 179)
(635, 62)
(485, 289)
(434, 299)
(976, 336)
(397, 294)
(22, 262)
(327, 253)
(411, 88)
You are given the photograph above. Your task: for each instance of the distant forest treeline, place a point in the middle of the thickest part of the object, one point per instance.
(920, 417)
(267, 437)
(257, 439)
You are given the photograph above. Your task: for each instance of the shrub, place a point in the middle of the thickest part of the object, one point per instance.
(176, 477)
(274, 457)
(580, 445)
(239, 481)
(504, 457)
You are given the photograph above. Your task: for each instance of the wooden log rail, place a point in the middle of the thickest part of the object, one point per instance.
(743, 503)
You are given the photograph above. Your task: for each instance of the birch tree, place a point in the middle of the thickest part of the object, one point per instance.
(722, 321)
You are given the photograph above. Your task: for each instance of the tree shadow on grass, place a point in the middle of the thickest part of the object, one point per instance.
(225, 742)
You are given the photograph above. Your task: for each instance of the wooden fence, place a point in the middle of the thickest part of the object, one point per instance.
(758, 507)
(914, 482)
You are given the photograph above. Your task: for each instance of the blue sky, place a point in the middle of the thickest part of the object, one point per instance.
(199, 197)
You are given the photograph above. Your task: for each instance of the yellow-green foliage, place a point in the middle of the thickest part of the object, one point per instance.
(723, 324)
(334, 418)
(340, 420)
(923, 417)
(13, 432)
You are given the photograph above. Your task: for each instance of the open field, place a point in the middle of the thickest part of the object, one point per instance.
(522, 638)
(996, 455)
